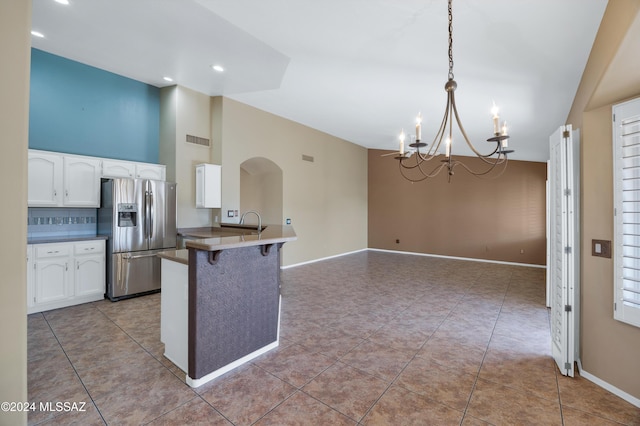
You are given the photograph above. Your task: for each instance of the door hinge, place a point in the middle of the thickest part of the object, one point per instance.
(567, 366)
(567, 250)
(566, 134)
(567, 308)
(615, 306)
(614, 118)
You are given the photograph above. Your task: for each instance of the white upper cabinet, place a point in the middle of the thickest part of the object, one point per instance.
(131, 169)
(82, 181)
(118, 169)
(57, 180)
(150, 171)
(67, 180)
(45, 179)
(208, 188)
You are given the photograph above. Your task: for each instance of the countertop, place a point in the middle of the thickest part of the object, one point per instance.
(226, 237)
(180, 256)
(46, 240)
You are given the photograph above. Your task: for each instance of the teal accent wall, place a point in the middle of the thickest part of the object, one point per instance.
(79, 109)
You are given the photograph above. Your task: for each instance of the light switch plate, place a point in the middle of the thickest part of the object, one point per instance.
(601, 248)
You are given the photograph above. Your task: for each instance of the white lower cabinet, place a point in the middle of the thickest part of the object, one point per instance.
(89, 264)
(65, 274)
(52, 280)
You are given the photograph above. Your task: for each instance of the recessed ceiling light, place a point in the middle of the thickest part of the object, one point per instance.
(65, 2)
(217, 68)
(169, 79)
(37, 34)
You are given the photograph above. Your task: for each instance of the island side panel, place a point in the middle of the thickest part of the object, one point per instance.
(233, 305)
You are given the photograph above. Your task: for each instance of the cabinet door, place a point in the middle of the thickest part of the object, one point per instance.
(89, 275)
(82, 182)
(52, 280)
(45, 179)
(150, 171)
(208, 179)
(118, 169)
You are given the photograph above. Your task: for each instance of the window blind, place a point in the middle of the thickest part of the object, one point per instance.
(626, 159)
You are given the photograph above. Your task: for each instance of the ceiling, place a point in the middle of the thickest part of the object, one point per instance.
(360, 70)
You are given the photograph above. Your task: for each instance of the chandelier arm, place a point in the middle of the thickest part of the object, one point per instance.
(488, 171)
(483, 157)
(432, 149)
(425, 176)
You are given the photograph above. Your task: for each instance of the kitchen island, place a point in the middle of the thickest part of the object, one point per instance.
(220, 303)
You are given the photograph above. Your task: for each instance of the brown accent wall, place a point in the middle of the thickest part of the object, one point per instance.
(499, 219)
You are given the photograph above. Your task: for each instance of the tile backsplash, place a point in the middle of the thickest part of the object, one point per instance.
(61, 222)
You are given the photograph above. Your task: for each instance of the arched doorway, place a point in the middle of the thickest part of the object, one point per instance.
(261, 190)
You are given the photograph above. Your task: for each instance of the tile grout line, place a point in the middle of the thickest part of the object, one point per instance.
(74, 368)
(475, 382)
(393, 382)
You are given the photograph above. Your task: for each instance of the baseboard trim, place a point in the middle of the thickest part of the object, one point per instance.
(471, 259)
(322, 258)
(614, 390)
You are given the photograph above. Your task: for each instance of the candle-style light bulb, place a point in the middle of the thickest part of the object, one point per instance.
(447, 147)
(402, 142)
(419, 127)
(496, 119)
(505, 143)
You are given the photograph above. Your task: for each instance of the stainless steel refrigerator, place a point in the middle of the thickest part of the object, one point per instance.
(139, 218)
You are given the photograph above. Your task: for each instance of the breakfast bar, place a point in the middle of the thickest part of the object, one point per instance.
(220, 301)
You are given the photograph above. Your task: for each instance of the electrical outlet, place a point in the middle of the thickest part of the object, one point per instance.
(397, 241)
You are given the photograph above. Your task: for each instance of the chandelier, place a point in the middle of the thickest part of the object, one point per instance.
(413, 165)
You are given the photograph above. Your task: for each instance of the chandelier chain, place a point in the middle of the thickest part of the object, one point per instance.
(450, 42)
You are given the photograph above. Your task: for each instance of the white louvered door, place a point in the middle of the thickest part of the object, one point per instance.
(626, 178)
(564, 245)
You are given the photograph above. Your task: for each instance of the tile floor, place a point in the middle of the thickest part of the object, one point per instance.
(370, 338)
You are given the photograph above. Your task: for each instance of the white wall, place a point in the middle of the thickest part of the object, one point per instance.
(185, 112)
(326, 199)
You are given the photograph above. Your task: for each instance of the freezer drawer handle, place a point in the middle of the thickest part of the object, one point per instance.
(140, 256)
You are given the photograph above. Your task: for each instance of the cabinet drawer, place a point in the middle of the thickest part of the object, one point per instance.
(88, 247)
(52, 250)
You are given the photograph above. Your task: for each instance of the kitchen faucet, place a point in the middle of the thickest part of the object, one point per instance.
(257, 214)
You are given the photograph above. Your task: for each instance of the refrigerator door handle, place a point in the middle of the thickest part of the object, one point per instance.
(152, 212)
(146, 214)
